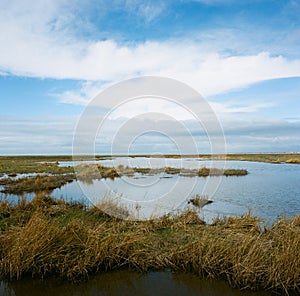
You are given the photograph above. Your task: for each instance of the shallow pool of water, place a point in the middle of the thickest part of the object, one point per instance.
(126, 283)
(269, 190)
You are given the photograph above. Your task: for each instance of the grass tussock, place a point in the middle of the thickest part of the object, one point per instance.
(293, 160)
(47, 237)
(86, 172)
(199, 201)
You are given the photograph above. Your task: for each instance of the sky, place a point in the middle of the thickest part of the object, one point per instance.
(242, 57)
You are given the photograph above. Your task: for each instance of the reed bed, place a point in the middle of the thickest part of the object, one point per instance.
(46, 237)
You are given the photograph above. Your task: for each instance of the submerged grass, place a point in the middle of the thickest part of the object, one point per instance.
(46, 237)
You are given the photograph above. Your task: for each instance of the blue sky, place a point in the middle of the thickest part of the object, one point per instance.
(243, 57)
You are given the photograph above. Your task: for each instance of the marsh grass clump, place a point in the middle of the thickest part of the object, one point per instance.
(235, 172)
(86, 172)
(49, 237)
(199, 201)
(293, 160)
(204, 172)
(37, 183)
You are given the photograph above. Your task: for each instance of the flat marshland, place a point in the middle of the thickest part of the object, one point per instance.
(49, 164)
(45, 237)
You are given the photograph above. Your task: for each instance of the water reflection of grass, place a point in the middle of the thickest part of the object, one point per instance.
(47, 237)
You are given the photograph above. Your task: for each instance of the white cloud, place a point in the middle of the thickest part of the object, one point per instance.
(36, 41)
(146, 9)
(81, 96)
(209, 74)
(235, 107)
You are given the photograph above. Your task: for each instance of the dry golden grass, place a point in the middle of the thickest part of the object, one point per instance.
(293, 160)
(49, 237)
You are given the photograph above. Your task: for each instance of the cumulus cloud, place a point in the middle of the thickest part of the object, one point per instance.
(210, 74)
(36, 41)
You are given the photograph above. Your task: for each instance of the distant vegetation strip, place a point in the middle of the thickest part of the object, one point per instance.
(95, 171)
(47, 237)
(50, 164)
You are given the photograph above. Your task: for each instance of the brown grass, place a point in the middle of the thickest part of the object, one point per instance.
(35, 184)
(293, 160)
(47, 237)
(95, 171)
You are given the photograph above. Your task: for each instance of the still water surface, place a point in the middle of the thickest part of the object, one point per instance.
(269, 190)
(126, 283)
